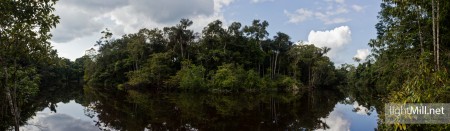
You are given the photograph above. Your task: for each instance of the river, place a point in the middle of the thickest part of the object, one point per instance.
(78, 109)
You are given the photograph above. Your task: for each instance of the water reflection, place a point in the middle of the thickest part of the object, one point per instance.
(100, 109)
(46, 98)
(137, 110)
(57, 122)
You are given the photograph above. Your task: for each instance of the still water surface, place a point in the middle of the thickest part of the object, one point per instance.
(93, 109)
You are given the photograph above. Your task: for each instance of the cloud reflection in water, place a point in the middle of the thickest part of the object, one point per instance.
(58, 122)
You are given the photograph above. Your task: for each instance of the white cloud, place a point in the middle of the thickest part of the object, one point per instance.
(150, 14)
(74, 23)
(58, 122)
(357, 8)
(130, 15)
(362, 54)
(330, 16)
(300, 15)
(334, 39)
(85, 18)
(327, 20)
(336, 122)
(166, 11)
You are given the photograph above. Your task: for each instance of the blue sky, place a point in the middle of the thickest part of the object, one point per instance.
(344, 25)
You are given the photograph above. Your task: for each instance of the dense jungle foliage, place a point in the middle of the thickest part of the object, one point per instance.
(235, 58)
(410, 57)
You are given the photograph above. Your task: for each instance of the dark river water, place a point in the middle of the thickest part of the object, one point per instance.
(91, 109)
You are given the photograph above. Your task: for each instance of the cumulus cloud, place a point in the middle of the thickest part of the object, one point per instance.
(362, 54)
(96, 6)
(162, 11)
(201, 12)
(335, 39)
(74, 23)
(58, 122)
(336, 122)
(80, 18)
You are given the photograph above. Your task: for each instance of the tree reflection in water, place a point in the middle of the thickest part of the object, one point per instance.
(139, 110)
(156, 110)
(46, 98)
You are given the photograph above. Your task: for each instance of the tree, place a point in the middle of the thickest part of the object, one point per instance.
(257, 32)
(155, 58)
(310, 65)
(280, 46)
(138, 48)
(159, 67)
(406, 28)
(180, 36)
(212, 49)
(395, 68)
(24, 35)
(190, 77)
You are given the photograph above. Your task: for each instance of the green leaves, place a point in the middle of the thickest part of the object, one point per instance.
(310, 65)
(226, 77)
(155, 71)
(190, 77)
(217, 59)
(402, 68)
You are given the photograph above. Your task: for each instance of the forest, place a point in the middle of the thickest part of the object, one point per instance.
(409, 61)
(238, 58)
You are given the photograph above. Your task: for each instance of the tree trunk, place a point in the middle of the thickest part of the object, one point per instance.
(259, 68)
(419, 16)
(437, 36)
(11, 101)
(271, 66)
(224, 48)
(182, 52)
(434, 31)
(309, 75)
(276, 60)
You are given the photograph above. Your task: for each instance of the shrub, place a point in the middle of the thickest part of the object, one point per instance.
(287, 83)
(190, 77)
(225, 78)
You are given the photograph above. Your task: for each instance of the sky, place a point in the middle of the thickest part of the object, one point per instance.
(346, 26)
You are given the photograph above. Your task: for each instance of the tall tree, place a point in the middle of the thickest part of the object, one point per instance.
(281, 45)
(257, 32)
(213, 45)
(310, 65)
(180, 36)
(24, 35)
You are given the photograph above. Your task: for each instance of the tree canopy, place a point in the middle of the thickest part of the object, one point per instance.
(410, 58)
(232, 59)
